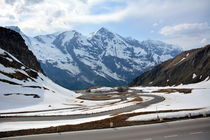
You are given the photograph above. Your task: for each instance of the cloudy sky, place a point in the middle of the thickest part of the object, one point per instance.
(182, 22)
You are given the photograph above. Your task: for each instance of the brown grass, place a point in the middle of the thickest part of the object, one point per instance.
(37, 87)
(94, 87)
(122, 89)
(7, 63)
(16, 75)
(136, 99)
(33, 95)
(10, 82)
(32, 73)
(101, 97)
(125, 94)
(171, 90)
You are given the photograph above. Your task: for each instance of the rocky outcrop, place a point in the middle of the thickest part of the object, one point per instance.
(13, 43)
(189, 67)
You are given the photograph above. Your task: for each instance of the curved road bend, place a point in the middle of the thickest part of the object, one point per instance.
(156, 99)
(195, 129)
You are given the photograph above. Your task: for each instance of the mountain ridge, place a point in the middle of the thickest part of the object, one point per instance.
(188, 67)
(103, 58)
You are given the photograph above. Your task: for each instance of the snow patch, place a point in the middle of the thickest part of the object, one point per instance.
(181, 60)
(12, 126)
(169, 115)
(194, 76)
(67, 36)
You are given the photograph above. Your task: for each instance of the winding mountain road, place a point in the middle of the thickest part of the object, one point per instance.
(156, 99)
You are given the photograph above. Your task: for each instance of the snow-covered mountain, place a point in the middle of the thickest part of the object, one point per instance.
(103, 58)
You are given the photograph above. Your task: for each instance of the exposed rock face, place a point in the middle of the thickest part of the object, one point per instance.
(189, 67)
(13, 43)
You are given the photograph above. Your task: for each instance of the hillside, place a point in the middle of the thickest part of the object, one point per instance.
(13, 43)
(21, 82)
(103, 58)
(188, 67)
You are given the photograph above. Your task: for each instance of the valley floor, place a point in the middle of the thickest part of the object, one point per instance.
(107, 107)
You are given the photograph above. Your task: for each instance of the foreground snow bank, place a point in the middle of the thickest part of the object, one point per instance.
(197, 99)
(22, 125)
(170, 115)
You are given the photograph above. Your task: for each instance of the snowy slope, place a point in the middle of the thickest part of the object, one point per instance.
(23, 90)
(102, 58)
(22, 87)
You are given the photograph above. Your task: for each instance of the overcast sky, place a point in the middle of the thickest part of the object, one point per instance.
(182, 22)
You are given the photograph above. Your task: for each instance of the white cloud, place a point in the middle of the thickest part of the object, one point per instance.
(40, 16)
(157, 23)
(192, 29)
(205, 41)
(48, 15)
(188, 43)
(187, 35)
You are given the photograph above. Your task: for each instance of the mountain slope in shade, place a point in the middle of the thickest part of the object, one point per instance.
(189, 67)
(13, 43)
(20, 84)
(103, 58)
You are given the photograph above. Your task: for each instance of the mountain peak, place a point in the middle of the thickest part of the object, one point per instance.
(14, 28)
(103, 30)
(104, 33)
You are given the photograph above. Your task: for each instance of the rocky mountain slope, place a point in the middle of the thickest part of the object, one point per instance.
(188, 67)
(21, 82)
(13, 43)
(103, 58)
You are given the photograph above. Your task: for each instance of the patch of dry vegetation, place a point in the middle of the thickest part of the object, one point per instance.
(124, 94)
(9, 82)
(37, 87)
(136, 99)
(94, 87)
(106, 97)
(5, 62)
(172, 90)
(17, 75)
(33, 95)
(122, 89)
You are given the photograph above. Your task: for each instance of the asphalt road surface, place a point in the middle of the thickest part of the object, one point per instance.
(195, 129)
